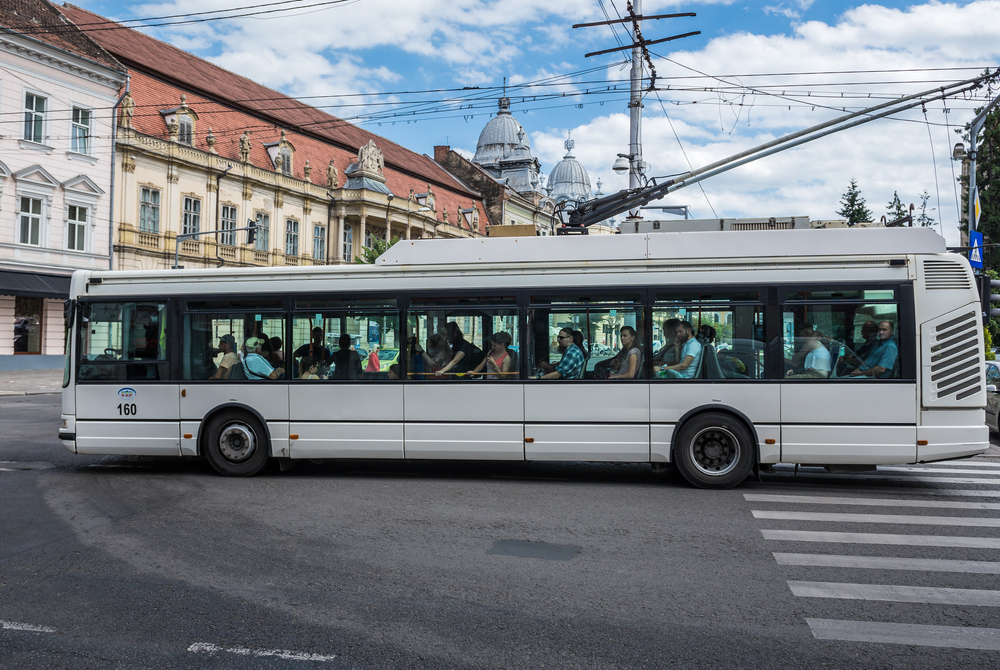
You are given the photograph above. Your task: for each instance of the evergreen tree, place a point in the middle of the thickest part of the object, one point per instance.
(379, 246)
(853, 205)
(924, 219)
(895, 210)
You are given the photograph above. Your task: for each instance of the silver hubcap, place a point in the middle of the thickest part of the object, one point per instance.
(714, 451)
(237, 442)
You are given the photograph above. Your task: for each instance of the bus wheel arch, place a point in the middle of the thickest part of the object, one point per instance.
(715, 446)
(235, 440)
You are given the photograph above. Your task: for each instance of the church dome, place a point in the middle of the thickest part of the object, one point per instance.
(502, 139)
(568, 179)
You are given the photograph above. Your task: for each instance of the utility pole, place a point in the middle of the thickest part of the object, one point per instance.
(977, 125)
(635, 164)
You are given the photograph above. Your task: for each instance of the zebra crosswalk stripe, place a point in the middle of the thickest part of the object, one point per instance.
(883, 538)
(896, 593)
(904, 519)
(867, 502)
(921, 635)
(888, 563)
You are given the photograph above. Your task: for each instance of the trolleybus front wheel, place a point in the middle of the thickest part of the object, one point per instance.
(236, 444)
(714, 451)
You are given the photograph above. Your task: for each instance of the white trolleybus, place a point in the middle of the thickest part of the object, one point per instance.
(719, 352)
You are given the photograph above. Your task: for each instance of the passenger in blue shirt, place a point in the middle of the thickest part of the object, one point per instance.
(255, 366)
(571, 365)
(880, 363)
(690, 355)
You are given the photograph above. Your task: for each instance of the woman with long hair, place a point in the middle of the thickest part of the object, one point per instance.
(630, 357)
(499, 359)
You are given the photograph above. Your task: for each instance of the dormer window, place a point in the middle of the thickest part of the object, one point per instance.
(286, 160)
(185, 132)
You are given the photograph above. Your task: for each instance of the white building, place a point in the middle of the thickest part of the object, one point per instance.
(57, 92)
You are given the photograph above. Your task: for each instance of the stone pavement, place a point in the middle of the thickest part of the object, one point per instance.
(30, 382)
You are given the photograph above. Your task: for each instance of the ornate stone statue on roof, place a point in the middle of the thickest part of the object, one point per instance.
(444, 215)
(210, 140)
(277, 162)
(245, 146)
(174, 128)
(411, 197)
(370, 158)
(332, 178)
(128, 110)
(307, 170)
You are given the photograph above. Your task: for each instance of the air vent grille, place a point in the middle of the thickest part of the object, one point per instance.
(955, 358)
(762, 225)
(945, 275)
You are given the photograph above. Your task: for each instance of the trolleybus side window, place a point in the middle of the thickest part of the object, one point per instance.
(232, 341)
(722, 336)
(841, 334)
(460, 337)
(122, 341)
(607, 329)
(345, 339)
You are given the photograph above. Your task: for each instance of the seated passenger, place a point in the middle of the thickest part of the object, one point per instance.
(881, 360)
(498, 361)
(629, 359)
(310, 367)
(690, 355)
(255, 366)
(393, 371)
(277, 358)
(227, 347)
(465, 356)
(346, 361)
(571, 364)
(667, 353)
(316, 347)
(816, 363)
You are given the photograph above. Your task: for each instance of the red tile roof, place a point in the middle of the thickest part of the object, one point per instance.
(229, 104)
(41, 20)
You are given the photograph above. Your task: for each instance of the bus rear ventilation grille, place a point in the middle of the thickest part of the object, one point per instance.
(944, 275)
(955, 358)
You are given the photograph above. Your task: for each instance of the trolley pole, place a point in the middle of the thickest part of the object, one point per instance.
(635, 117)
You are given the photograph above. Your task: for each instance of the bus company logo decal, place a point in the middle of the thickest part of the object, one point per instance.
(126, 393)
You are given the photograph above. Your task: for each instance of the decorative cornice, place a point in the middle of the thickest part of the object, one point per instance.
(10, 41)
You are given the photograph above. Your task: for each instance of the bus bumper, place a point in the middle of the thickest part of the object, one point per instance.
(67, 432)
(938, 443)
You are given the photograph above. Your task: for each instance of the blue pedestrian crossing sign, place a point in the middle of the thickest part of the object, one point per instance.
(976, 250)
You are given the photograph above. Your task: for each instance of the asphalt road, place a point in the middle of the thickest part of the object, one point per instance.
(113, 562)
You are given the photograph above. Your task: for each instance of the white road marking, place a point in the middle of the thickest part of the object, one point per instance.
(14, 625)
(978, 464)
(953, 471)
(906, 519)
(896, 594)
(953, 637)
(867, 502)
(889, 563)
(894, 478)
(907, 490)
(883, 538)
(209, 648)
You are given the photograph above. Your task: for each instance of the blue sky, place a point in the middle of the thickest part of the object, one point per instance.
(366, 54)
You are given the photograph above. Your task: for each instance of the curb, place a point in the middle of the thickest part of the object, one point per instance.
(24, 393)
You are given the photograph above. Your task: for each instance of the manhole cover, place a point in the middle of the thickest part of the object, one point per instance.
(551, 552)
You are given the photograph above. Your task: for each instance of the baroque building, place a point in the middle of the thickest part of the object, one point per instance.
(57, 90)
(214, 151)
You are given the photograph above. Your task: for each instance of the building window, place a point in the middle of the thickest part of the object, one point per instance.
(348, 243)
(28, 325)
(76, 230)
(31, 221)
(286, 161)
(185, 132)
(80, 132)
(263, 241)
(228, 225)
(149, 210)
(292, 237)
(319, 242)
(34, 117)
(192, 216)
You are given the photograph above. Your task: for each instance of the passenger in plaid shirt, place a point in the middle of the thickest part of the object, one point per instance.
(881, 359)
(571, 365)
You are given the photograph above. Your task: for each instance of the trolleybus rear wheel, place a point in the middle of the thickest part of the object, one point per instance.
(714, 451)
(236, 444)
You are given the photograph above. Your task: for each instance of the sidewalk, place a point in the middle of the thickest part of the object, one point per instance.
(30, 382)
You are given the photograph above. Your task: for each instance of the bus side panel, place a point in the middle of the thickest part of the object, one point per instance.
(624, 443)
(848, 445)
(146, 438)
(361, 420)
(464, 419)
(269, 398)
(671, 399)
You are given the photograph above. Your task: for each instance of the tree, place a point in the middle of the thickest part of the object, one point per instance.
(924, 219)
(854, 208)
(895, 210)
(379, 246)
(987, 177)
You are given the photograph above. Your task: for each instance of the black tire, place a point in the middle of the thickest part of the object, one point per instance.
(236, 444)
(714, 451)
